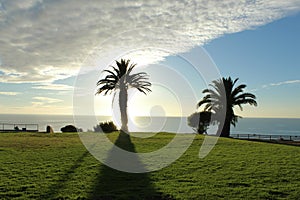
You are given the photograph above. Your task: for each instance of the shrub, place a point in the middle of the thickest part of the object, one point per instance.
(106, 127)
(68, 128)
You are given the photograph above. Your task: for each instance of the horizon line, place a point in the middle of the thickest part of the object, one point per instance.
(171, 116)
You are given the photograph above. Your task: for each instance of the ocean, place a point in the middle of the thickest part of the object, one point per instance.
(264, 126)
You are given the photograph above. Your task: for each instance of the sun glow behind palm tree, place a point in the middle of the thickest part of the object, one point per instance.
(171, 91)
(141, 105)
(118, 80)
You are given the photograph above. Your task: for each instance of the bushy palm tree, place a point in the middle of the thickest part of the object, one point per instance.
(120, 78)
(221, 100)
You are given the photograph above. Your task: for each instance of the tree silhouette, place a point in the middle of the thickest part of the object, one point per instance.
(120, 78)
(222, 98)
(200, 121)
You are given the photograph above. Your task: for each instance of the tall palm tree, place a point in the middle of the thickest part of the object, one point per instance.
(222, 98)
(120, 78)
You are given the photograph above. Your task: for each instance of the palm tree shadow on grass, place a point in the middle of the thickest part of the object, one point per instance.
(55, 189)
(114, 184)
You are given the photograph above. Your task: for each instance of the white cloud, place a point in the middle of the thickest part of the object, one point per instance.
(9, 93)
(285, 83)
(52, 86)
(45, 100)
(42, 41)
(42, 74)
(281, 83)
(37, 109)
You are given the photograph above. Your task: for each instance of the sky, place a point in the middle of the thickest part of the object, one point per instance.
(46, 45)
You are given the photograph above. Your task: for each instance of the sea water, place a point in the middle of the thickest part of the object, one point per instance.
(265, 126)
(268, 126)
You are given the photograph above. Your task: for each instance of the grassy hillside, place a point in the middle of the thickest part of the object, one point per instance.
(39, 166)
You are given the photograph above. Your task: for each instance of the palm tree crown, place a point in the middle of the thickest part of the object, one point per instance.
(223, 97)
(120, 78)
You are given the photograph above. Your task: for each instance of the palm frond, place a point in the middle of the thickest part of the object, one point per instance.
(238, 89)
(244, 96)
(205, 100)
(234, 82)
(218, 85)
(131, 68)
(117, 71)
(121, 76)
(234, 120)
(105, 89)
(223, 96)
(246, 101)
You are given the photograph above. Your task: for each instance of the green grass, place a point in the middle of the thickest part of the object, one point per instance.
(40, 166)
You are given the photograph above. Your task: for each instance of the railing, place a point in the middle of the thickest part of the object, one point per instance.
(266, 137)
(5, 127)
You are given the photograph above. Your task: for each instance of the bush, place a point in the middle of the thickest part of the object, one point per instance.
(106, 127)
(68, 128)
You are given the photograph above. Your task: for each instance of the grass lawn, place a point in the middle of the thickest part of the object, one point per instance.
(40, 166)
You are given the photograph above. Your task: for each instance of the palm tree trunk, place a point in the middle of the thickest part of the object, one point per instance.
(226, 128)
(123, 96)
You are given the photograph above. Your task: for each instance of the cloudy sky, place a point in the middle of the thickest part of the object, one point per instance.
(45, 43)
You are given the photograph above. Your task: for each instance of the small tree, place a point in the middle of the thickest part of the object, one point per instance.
(106, 127)
(200, 121)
